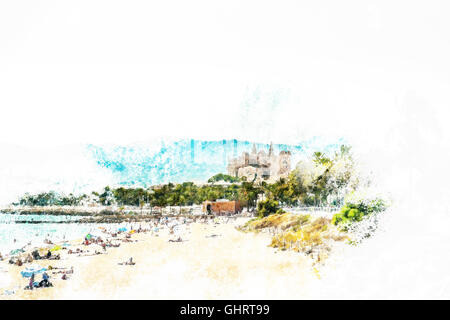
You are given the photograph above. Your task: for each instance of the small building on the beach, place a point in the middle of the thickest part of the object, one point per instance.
(221, 207)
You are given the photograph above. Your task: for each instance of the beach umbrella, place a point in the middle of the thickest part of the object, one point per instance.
(55, 248)
(123, 229)
(88, 236)
(33, 269)
(16, 251)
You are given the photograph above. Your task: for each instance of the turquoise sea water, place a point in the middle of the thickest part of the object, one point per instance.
(36, 233)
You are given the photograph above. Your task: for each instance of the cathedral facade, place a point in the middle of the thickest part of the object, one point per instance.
(260, 166)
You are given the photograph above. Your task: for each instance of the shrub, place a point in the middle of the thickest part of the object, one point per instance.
(353, 214)
(280, 221)
(356, 208)
(267, 207)
(338, 218)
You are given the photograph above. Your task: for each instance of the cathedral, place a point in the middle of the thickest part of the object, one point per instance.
(259, 166)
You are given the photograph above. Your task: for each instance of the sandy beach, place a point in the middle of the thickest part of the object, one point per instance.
(214, 261)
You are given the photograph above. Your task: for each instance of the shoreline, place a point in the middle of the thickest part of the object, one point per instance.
(106, 214)
(102, 210)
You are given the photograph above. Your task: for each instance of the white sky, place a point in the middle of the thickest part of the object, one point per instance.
(119, 71)
(74, 72)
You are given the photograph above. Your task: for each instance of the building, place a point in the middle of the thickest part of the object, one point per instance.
(221, 207)
(258, 166)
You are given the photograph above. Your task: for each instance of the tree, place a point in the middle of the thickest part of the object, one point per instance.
(248, 193)
(223, 177)
(267, 207)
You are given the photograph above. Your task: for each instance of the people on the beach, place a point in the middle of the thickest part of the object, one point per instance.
(54, 257)
(44, 282)
(130, 262)
(176, 240)
(36, 255)
(31, 283)
(175, 226)
(28, 258)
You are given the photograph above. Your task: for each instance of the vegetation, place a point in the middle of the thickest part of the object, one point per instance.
(277, 221)
(298, 232)
(223, 177)
(322, 180)
(51, 198)
(267, 207)
(356, 208)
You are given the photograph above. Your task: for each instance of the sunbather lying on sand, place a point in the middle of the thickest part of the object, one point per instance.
(109, 244)
(212, 236)
(176, 240)
(76, 251)
(64, 272)
(128, 263)
(88, 255)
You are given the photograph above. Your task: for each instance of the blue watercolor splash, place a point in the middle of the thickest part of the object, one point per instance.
(185, 160)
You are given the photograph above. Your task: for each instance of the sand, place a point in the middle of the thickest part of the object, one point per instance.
(230, 265)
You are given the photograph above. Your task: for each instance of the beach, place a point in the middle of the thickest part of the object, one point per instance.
(214, 261)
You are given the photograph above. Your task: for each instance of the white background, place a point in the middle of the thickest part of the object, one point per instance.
(374, 72)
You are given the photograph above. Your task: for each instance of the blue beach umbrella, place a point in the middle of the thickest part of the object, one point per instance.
(29, 271)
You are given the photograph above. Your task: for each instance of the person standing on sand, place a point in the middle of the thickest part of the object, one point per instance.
(31, 284)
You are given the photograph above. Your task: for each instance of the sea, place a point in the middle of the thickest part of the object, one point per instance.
(18, 231)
